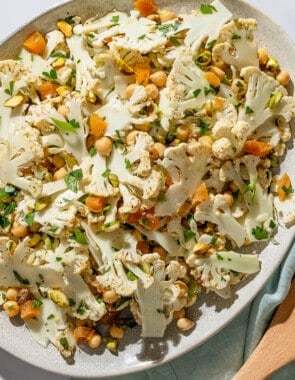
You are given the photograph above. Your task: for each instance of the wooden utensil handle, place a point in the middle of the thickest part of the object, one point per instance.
(277, 347)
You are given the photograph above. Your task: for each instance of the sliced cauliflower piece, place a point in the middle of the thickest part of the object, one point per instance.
(186, 172)
(53, 39)
(86, 70)
(258, 201)
(15, 78)
(149, 307)
(186, 89)
(24, 150)
(216, 210)
(216, 271)
(93, 170)
(236, 45)
(148, 187)
(203, 26)
(258, 106)
(102, 28)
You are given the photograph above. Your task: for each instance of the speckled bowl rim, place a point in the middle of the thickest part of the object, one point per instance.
(215, 313)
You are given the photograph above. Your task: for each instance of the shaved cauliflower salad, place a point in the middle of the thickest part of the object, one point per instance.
(135, 163)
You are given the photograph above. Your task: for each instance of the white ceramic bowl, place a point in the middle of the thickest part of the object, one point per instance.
(211, 312)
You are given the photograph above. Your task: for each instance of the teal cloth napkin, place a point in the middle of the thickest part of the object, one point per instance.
(222, 356)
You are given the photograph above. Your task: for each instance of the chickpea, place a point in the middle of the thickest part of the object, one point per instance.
(19, 230)
(178, 314)
(60, 173)
(155, 18)
(11, 308)
(283, 78)
(205, 140)
(229, 198)
(152, 91)
(166, 16)
(129, 91)
(116, 332)
(131, 137)
(104, 146)
(110, 296)
(11, 294)
(161, 251)
(262, 56)
(239, 87)
(158, 149)
(184, 324)
(182, 132)
(95, 341)
(216, 70)
(58, 161)
(183, 289)
(219, 62)
(159, 78)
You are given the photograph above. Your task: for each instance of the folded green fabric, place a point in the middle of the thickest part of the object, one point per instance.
(222, 356)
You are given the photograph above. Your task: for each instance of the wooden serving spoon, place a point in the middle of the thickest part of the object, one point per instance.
(277, 347)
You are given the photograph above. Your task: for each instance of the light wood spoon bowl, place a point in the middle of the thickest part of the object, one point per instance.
(277, 347)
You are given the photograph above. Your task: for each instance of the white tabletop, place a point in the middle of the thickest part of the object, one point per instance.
(283, 11)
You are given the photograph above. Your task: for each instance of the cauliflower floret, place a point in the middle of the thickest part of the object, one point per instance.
(140, 35)
(186, 172)
(102, 28)
(53, 38)
(148, 187)
(217, 270)
(203, 26)
(148, 309)
(117, 116)
(175, 270)
(93, 170)
(216, 210)
(236, 44)
(258, 105)
(139, 152)
(15, 78)
(86, 70)
(23, 150)
(243, 173)
(186, 89)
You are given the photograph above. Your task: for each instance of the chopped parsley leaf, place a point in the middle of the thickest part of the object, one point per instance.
(81, 308)
(36, 303)
(9, 91)
(128, 164)
(207, 9)
(29, 219)
(287, 189)
(72, 179)
(235, 37)
(64, 342)
(203, 127)
(188, 235)
(219, 257)
(259, 233)
(197, 92)
(142, 37)
(115, 19)
(19, 278)
(106, 173)
(66, 126)
(248, 110)
(174, 41)
(79, 236)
